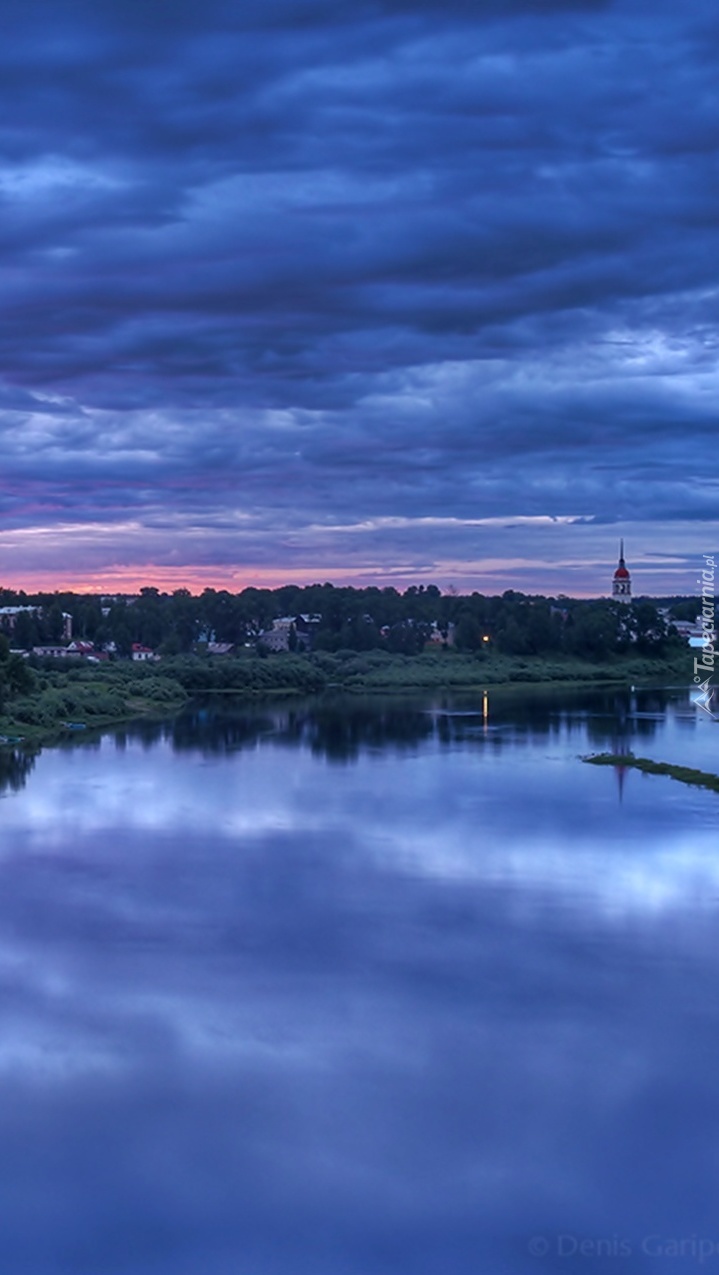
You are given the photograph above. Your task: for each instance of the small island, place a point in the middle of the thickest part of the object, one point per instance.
(684, 774)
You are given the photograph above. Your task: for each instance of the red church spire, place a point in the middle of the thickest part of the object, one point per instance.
(622, 583)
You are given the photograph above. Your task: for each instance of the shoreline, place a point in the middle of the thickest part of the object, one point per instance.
(68, 703)
(35, 737)
(16, 735)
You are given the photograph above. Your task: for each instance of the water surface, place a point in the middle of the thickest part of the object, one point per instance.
(355, 987)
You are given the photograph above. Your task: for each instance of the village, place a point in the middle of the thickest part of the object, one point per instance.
(150, 626)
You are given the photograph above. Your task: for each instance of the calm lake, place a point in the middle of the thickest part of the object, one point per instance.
(355, 987)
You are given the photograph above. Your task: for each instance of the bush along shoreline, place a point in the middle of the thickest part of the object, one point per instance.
(42, 702)
(379, 671)
(369, 671)
(58, 703)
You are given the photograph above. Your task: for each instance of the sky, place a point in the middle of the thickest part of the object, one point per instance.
(382, 293)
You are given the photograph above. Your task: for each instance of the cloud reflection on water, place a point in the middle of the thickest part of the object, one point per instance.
(394, 1025)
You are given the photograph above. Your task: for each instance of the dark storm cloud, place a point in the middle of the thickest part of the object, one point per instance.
(319, 266)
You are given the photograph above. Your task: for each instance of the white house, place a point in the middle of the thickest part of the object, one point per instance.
(143, 653)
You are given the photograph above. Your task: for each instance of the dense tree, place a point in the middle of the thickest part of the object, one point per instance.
(364, 619)
(15, 676)
(26, 631)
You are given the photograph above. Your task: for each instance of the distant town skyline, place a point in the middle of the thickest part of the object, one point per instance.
(381, 294)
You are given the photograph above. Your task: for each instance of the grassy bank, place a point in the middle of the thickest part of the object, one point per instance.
(381, 671)
(378, 671)
(57, 698)
(684, 774)
(85, 697)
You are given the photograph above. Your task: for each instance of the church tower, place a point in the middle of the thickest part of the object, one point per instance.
(622, 582)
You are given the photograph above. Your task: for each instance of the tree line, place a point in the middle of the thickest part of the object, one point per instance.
(347, 618)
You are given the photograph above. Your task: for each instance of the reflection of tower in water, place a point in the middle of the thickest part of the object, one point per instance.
(620, 742)
(620, 749)
(620, 770)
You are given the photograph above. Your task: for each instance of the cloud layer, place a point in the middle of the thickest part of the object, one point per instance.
(270, 272)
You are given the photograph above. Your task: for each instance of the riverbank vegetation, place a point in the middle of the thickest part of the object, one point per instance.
(451, 670)
(684, 774)
(38, 702)
(43, 697)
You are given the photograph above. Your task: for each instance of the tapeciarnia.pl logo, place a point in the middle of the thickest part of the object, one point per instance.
(703, 697)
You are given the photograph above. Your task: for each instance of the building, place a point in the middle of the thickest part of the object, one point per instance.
(290, 632)
(56, 652)
(622, 581)
(693, 631)
(443, 636)
(9, 616)
(81, 648)
(143, 654)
